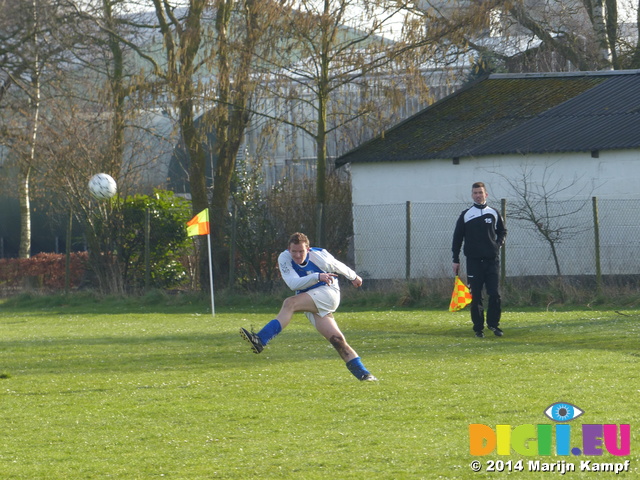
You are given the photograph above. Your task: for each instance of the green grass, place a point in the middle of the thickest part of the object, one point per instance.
(92, 390)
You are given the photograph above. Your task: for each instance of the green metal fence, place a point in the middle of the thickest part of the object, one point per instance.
(579, 237)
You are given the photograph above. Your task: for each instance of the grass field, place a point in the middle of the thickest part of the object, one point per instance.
(109, 390)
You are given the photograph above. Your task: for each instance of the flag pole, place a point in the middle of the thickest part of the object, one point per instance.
(199, 225)
(213, 310)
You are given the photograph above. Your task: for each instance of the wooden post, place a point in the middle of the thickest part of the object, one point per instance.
(408, 242)
(503, 253)
(596, 233)
(67, 257)
(147, 250)
(319, 224)
(232, 249)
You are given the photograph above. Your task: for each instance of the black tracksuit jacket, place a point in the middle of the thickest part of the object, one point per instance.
(482, 230)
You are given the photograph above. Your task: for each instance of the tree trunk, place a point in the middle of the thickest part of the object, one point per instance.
(611, 22)
(25, 214)
(197, 179)
(321, 171)
(230, 118)
(25, 170)
(635, 59)
(328, 34)
(599, 26)
(115, 155)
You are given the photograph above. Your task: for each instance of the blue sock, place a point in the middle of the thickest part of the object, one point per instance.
(269, 331)
(356, 367)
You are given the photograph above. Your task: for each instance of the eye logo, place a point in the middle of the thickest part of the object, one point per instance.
(562, 412)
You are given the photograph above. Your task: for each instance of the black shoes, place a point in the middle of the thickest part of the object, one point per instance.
(496, 331)
(368, 378)
(253, 339)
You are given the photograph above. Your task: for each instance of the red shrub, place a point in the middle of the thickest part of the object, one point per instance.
(47, 268)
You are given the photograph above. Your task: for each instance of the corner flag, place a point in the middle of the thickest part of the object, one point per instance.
(199, 225)
(461, 296)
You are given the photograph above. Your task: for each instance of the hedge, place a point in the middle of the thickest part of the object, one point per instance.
(42, 270)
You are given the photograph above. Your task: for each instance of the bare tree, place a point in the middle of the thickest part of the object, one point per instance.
(87, 116)
(549, 203)
(349, 66)
(559, 35)
(209, 49)
(243, 32)
(32, 41)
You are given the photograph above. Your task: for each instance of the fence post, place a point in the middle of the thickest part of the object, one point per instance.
(319, 224)
(408, 242)
(596, 233)
(67, 255)
(232, 250)
(503, 253)
(147, 249)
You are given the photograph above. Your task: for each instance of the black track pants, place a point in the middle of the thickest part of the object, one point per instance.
(483, 272)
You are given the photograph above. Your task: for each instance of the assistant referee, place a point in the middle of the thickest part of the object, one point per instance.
(482, 230)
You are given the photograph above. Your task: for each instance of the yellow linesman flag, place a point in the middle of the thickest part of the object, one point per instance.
(199, 225)
(461, 296)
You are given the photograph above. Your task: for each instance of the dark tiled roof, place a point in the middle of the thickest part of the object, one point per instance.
(525, 113)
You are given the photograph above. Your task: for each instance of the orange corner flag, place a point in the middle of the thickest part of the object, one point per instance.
(199, 225)
(461, 296)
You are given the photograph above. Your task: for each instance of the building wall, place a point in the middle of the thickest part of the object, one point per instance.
(613, 175)
(438, 191)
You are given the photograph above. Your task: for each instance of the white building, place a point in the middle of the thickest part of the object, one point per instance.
(577, 135)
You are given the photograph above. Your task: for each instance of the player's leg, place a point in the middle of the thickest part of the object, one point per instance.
(297, 303)
(328, 328)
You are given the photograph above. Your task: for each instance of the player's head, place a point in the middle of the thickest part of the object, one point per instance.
(479, 193)
(298, 238)
(298, 247)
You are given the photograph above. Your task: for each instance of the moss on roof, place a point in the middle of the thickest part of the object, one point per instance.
(468, 121)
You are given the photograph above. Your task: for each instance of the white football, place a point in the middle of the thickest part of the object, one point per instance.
(102, 186)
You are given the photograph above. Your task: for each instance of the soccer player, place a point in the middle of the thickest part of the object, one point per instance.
(482, 230)
(312, 274)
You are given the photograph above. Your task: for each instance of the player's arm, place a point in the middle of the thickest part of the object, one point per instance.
(329, 263)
